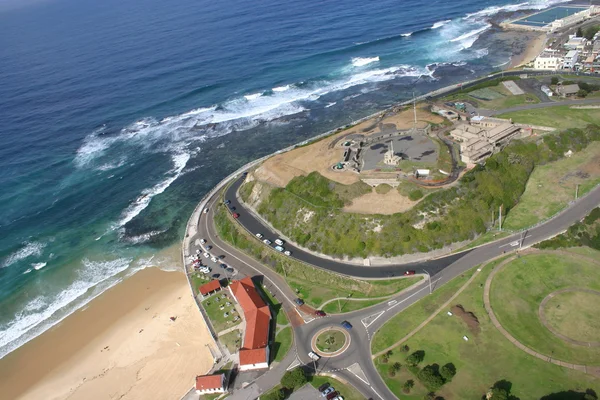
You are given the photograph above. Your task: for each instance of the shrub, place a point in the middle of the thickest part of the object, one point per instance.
(383, 188)
(391, 371)
(554, 80)
(274, 395)
(415, 358)
(294, 379)
(415, 195)
(405, 348)
(431, 377)
(409, 384)
(447, 372)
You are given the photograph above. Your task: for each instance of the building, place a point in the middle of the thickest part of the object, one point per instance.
(547, 91)
(483, 137)
(254, 353)
(389, 158)
(576, 43)
(570, 59)
(206, 384)
(567, 90)
(547, 61)
(210, 287)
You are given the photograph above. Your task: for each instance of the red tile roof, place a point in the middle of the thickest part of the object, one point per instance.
(209, 287)
(253, 356)
(204, 382)
(258, 316)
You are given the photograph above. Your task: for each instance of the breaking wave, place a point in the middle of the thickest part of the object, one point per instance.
(360, 61)
(29, 249)
(440, 24)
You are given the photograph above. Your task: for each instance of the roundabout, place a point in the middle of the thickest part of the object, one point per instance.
(572, 315)
(330, 341)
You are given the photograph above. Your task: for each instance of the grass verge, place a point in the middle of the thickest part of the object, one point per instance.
(216, 308)
(282, 344)
(561, 117)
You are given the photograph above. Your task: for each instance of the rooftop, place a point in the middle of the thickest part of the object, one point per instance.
(205, 382)
(209, 287)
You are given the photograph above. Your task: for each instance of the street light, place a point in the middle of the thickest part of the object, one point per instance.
(429, 278)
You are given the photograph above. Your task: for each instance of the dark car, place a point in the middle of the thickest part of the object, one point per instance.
(216, 275)
(332, 395)
(236, 215)
(411, 272)
(347, 325)
(222, 257)
(227, 202)
(299, 301)
(208, 248)
(223, 266)
(232, 208)
(230, 270)
(324, 386)
(320, 313)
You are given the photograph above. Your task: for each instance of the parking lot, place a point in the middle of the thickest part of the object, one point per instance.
(409, 147)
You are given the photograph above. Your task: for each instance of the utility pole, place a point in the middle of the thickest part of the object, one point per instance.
(576, 191)
(500, 220)
(523, 234)
(415, 110)
(429, 278)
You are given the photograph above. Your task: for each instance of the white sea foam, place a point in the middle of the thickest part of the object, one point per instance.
(362, 61)
(466, 40)
(28, 249)
(138, 205)
(113, 165)
(252, 96)
(527, 5)
(439, 24)
(28, 270)
(406, 34)
(282, 88)
(48, 309)
(143, 237)
(330, 104)
(38, 266)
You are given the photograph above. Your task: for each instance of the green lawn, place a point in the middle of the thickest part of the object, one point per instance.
(231, 340)
(520, 287)
(499, 98)
(486, 238)
(552, 186)
(282, 344)
(331, 340)
(343, 306)
(277, 311)
(347, 391)
(400, 325)
(198, 279)
(483, 360)
(561, 117)
(212, 306)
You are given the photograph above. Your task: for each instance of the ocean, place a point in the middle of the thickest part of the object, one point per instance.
(117, 116)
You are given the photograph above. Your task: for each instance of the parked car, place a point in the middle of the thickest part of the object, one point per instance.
(228, 202)
(324, 386)
(339, 397)
(221, 257)
(279, 242)
(232, 208)
(202, 241)
(209, 247)
(224, 266)
(325, 392)
(411, 272)
(216, 276)
(332, 396)
(287, 253)
(320, 313)
(236, 215)
(299, 301)
(314, 355)
(266, 241)
(205, 270)
(259, 235)
(214, 259)
(230, 270)
(206, 254)
(347, 325)
(205, 211)
(279, 249)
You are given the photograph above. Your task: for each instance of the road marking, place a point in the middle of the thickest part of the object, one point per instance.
(513, 243)
(414, 294)
(377, 315)
(391, 303)
(358, 372)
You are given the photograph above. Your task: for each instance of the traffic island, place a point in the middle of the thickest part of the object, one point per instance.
(330, 342)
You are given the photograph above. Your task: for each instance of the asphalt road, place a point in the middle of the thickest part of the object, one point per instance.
(367, 321)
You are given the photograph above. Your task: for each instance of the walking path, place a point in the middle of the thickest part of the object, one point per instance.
(486, 300)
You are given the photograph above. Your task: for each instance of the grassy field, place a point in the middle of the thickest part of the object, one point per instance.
(313, 285)
(216, 307)
(400, 325)
(277, 312)
(480, 362)
(494, 98)
(520, 287)
(348, 392)
(231, 340)
(552, 186)
(198, 279)
(330, 341)
(561, 117)
(575, 314)
(282, 344)
(345, 305)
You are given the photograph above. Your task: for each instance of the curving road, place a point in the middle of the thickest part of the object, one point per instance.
(355, 365)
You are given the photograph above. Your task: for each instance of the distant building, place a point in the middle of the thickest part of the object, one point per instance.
(210, 287)
(547, 91)
(206, 384)
(389, 158)
(576, 43)
(570, 59)
(548, 62)
(254, 353)
(483, 137)
(567, 90)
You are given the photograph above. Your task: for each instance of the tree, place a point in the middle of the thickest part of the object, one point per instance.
(431, 377)
(554, 80)
(409, 384)
(384, 359)
(448, 371)
(391, 371)
(294, 379)
(579, 32)
(405, 348)
(497, 394)
(274, 395)
(397, 366)
(582, 93)
(415, 358)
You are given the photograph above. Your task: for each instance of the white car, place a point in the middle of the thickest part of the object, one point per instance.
(266, 241)
(314, 356)
(287, 253)
(205, 270)
(279, 242)
(214, 259)
(202, 241)
(206, 254)
(205, 211)
(279, 248)
(259, 235)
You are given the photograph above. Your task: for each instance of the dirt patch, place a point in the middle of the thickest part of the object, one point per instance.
(374, 203)
(320, 156)
(468, 317)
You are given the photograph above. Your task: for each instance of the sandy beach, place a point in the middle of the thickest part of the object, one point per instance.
(534, 48)
(122, 346)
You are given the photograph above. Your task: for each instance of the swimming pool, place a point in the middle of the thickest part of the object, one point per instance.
(545, 17)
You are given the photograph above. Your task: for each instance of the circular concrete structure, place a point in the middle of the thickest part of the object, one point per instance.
(337, 352)
(548, 309)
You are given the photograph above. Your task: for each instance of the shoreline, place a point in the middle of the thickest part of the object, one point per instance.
(534, 48)
(122, 343)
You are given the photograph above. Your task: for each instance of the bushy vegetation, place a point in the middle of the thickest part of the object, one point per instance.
(584, 233)
(308, 209)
